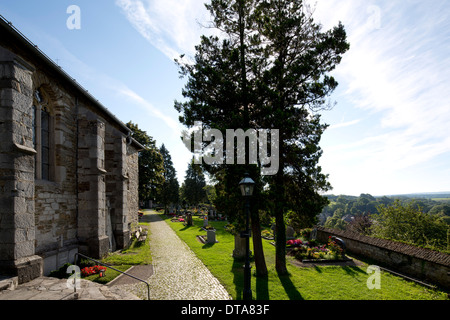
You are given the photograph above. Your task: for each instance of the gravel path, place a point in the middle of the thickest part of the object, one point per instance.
(177, 272)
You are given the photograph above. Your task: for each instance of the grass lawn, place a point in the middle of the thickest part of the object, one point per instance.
(312, 283)
(110, 274)
(138, 253)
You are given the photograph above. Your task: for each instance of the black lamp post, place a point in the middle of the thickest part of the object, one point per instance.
(247, 185)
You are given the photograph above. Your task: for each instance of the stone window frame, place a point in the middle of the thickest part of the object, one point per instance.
(41, 108)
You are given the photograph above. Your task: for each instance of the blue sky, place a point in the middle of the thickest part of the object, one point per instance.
(389, 132)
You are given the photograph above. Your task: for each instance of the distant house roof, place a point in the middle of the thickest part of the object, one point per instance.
(347, 218)
(9, 32)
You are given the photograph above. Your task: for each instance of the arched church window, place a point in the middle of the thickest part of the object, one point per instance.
(42, 138)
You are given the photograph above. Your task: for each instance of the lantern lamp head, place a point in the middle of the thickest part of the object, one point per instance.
(247, 185)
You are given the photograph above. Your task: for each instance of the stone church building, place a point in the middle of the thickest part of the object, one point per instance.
(68, 167)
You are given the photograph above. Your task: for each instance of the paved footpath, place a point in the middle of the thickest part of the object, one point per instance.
(177, 272)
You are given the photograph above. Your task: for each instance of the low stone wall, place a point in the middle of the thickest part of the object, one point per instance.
(420, 263)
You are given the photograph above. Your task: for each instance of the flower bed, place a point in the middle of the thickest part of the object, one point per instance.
(88, 271)
(266, 234)
(311, 251)
(178, 219)
(294, 243)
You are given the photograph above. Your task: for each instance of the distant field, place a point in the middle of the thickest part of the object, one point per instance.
(433, 196)
(441, 199)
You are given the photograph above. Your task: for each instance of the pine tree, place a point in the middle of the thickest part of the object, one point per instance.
(270, 70)
(168, 193)
(194, 183)
(219, 95)
(291, 87)
(151, 165)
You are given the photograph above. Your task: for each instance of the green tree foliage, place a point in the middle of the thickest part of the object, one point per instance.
(336, 220)
(220, 90)
(443, 209)
(410, 224)
(367, 205)
(270, 71)
(169, 191)
(151, 165)
(210, 191)
(293, 85)
(194, 184)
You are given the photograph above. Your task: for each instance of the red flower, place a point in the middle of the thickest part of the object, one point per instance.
(87, 271)
(296, 242)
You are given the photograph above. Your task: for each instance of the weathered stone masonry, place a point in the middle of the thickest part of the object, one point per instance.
(420, 263)
(68, 167)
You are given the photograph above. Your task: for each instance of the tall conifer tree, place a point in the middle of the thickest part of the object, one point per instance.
(151, 164)
(270, 70)
(169, 192)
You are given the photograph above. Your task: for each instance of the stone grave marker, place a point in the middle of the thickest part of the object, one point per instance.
(290, 233)
(211, 236)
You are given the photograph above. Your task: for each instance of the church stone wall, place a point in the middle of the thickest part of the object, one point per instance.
(88, 203)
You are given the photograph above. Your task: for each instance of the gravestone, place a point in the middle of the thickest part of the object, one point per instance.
(340, 243)
(239, 247)
(189, 219)
(211, 236)
(205, 222)
(314, 234)
(290, 233)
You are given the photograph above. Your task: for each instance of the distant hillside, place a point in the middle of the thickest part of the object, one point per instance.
(343, 209)
(424, 195)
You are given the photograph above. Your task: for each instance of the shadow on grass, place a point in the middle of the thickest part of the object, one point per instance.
(207, 245)
(185, 227)
(238, 277)
(289, 287)
(353, 271)
(262, 288)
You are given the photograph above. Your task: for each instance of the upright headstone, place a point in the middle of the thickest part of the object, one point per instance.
(314, 234)
(188, 219)
(239, 247)
(290, 233)
(211, 236)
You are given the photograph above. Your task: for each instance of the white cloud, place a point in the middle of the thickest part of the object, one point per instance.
(344, 124)
(172, 26)
(155, 112)
(396, 72)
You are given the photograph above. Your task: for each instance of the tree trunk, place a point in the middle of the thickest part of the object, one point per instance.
(280, 228)
(280, 243)
(260, 261)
